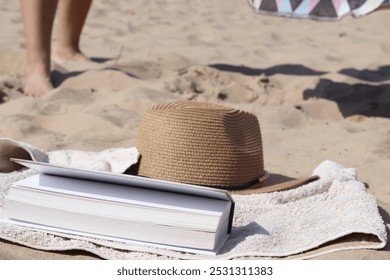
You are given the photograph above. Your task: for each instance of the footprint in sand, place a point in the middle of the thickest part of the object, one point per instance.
(61, 101)
(215, 85)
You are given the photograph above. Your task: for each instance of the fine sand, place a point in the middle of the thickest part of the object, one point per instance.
(320, 90)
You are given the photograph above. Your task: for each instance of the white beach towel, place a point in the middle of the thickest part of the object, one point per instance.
(331, 214)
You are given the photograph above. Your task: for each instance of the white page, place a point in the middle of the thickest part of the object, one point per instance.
(111, 209)
(124, 194)
(124, 179)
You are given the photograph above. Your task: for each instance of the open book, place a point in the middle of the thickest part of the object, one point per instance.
(121, 207)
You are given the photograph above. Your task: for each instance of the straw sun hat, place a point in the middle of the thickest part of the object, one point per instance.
(203, 144)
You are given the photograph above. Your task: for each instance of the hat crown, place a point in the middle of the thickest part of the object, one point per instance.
(200, 143)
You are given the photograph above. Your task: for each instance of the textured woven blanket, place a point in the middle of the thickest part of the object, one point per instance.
(317, 9)
(331, 214)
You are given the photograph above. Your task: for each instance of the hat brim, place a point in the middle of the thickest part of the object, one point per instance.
(268, 183)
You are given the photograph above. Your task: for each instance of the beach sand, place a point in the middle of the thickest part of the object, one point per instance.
(320, 90)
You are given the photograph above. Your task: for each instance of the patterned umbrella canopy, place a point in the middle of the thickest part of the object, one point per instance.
(318, 9)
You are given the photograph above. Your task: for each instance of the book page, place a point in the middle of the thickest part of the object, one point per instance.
(124, 179)
(125, 194)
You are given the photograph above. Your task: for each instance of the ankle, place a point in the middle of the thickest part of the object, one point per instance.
(69, 53)
(36, 69)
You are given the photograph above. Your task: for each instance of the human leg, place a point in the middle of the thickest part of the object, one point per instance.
(71, 18)
(38, 17)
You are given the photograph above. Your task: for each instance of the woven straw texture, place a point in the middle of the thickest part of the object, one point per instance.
(200, 143)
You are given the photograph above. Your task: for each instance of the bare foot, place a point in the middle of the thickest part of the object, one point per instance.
(69, 54)
(36, 83)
